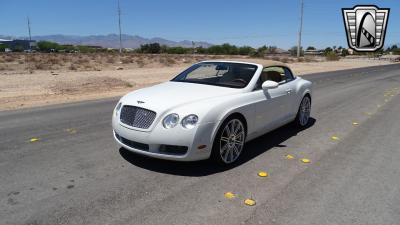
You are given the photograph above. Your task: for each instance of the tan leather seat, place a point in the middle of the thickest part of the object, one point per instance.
(271, 75)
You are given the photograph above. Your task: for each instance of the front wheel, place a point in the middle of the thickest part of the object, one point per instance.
(229, 142)
(303, 114)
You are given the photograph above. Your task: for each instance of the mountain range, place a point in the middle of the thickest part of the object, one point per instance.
(110, 40)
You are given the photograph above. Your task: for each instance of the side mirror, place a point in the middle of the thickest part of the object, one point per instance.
(269, 84)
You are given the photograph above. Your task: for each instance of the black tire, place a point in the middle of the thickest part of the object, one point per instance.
(303, 113)
(216, 153)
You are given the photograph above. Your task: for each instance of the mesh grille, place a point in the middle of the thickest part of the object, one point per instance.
(137, 117)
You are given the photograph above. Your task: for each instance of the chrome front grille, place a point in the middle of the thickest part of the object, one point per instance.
(137, 117)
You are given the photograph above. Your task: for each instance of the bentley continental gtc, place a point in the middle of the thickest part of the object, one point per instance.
(211, 110)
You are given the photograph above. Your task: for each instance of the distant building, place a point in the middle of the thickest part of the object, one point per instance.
(313, 52)
(18, 45)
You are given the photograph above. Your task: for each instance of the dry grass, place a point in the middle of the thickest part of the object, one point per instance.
(91, 84)
(22, 63)
(3, 67)
(285, 60)
(332, 57)
(91, 61)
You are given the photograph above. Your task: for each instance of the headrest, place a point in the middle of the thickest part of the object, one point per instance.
(272, 75)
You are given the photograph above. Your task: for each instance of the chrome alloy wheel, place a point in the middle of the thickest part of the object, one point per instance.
(305, 109)
(231, 141)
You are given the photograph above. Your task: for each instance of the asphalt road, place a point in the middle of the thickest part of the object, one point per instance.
(75, 174)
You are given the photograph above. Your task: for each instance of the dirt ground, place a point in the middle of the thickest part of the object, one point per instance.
(52, 79)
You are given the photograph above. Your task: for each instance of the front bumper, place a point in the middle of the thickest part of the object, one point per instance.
(153, 143)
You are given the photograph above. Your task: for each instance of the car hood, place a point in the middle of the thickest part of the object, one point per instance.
(169, 95)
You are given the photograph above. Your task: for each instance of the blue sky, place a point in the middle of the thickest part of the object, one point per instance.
(254, 23)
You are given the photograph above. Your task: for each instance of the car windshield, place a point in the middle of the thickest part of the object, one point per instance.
(234, 75)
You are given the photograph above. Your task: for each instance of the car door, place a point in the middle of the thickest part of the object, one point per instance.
(290, 87)
(272, 105)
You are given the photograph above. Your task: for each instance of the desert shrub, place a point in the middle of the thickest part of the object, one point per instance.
(63, 58)
(285, 60)
(309, 59)
(9, 58)
(126, 60)
(54, 60)
(140, 62)
(92, 57)
(199, 58)
(275, 58)
(162, 60)
(345, 52)
(82, 61)
(88, 67)
(170, 61)
(3, 67)
(110, 60)
(39, 66)
(301, 59)
(331, 56)
(73, 67)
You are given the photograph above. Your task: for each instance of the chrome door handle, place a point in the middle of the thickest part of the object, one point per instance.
(289, 91)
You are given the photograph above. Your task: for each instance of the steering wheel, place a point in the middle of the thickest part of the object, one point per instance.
(240, 80)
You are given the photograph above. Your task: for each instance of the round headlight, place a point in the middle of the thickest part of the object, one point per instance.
(190, 121)
(171, 120)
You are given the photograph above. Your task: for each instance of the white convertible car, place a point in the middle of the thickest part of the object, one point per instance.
(211, 110)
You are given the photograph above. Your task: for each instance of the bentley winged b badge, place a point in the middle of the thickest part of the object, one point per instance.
(365, 27)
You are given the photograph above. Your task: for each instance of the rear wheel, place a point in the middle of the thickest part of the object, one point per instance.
(229, 141)
(303, 114)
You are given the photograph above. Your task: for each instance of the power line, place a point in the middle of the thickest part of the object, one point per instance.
(300, 29)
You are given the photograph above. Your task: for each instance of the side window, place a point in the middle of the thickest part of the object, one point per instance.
(288, 74)
(278, 74)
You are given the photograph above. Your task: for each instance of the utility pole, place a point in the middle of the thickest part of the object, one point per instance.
(27, 56)
(29, 31)
(119, 25)
(300, 29)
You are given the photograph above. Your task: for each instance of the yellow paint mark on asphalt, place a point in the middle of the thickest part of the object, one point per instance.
(304, 160)
(71, 130)
(263, 174)
(355, 123)
(250, 202)
(229, 195)
(289, 156)
(335, 138)
(34, 140)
